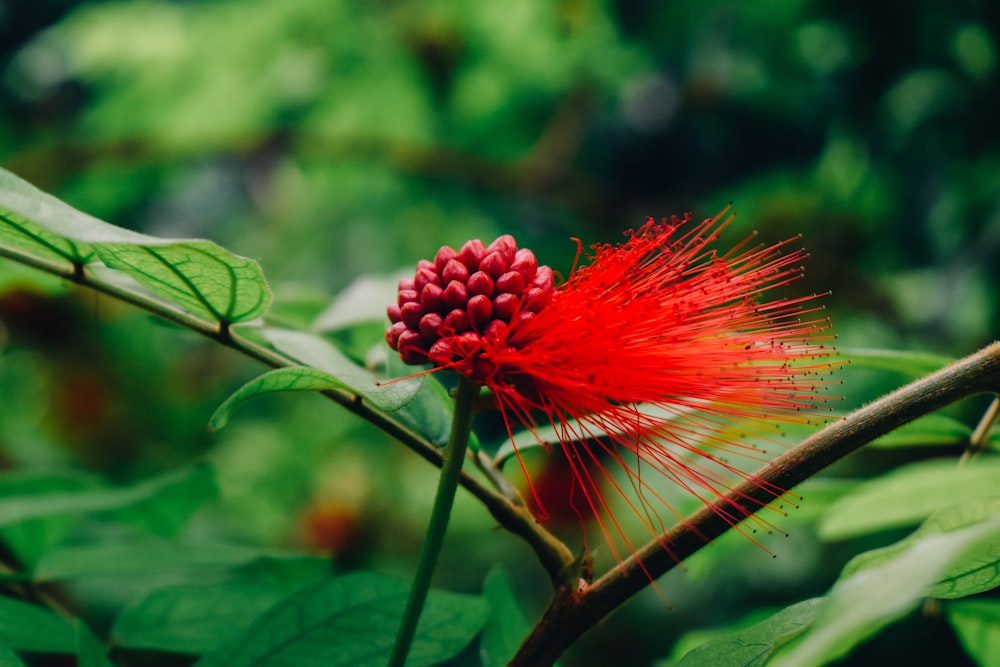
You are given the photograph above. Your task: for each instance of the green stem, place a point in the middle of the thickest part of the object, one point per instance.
(454, 455)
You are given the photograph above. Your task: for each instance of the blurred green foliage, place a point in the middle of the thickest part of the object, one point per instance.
(331, 139)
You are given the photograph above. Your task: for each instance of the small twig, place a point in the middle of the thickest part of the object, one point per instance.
(500, 482)
(981, 435)
(572, 612)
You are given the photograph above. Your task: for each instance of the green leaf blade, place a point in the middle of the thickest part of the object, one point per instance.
(9, 659)
(865, 601)
(976, 571)
(294, 378)
(932, 430)
(90, 652)
(25, 627)
(19, 508)
(37, 241)
(506, 626)
(910, 363)
(192, 619)
(319, 354)
(198, 275)
(147, 556)
(977, 624)
(908, 496)
(421, 403)
(351, 621)
(755, 645)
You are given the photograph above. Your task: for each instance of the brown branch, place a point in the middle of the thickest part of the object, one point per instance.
(572, 612)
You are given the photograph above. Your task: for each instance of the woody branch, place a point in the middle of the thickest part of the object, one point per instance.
(572, 612)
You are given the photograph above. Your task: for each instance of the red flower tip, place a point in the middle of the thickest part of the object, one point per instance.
(646, 358)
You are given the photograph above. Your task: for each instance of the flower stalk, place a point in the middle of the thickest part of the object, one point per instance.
(451, 469)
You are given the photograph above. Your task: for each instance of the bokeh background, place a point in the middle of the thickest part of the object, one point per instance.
(332, 139)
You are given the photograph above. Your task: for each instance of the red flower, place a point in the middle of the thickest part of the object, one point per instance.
(646, 358)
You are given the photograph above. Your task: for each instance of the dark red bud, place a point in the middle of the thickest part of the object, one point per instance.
(493, 265)
(430, 326)
(440, 352)
(406, 296)
(480, 308)
(455, 295)
(469, 340)
(393, 312)
(432, 297)
(406, 284)
(393, 332)
(525, 316)
(425, 264)
(493, 328)
(472, 253)
(426, 277)
(410, 347)
(455, 270)
(544, 278)
(536, 298)
(455, 322)
(511, 282)
(525, 263)
(443, 256)
(411, 313)
(506, 246)
(505, 305)
(480, 283)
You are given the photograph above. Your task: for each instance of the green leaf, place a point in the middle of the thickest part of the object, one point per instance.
(907, 496)
(175, 498)
(25, 627)
(421, 402)
(154, 556)
(364, 300)
(29, 539)
(756, 644)
(351, 621)
(977, 624)
(198, 275)
(319, 354)
(861, 604)
(928, 431)
(296, 378)
(506, 626)
(19, 508)
(202, 277)
(978, 570)
(36, 241)
(23, 199)
(913, 364)
(90, 652)
(9, 659)
(193, 619)
(430, 411)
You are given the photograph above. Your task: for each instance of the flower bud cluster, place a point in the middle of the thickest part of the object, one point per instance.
(473, 292)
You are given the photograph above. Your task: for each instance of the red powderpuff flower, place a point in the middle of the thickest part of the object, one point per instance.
(649, 357)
